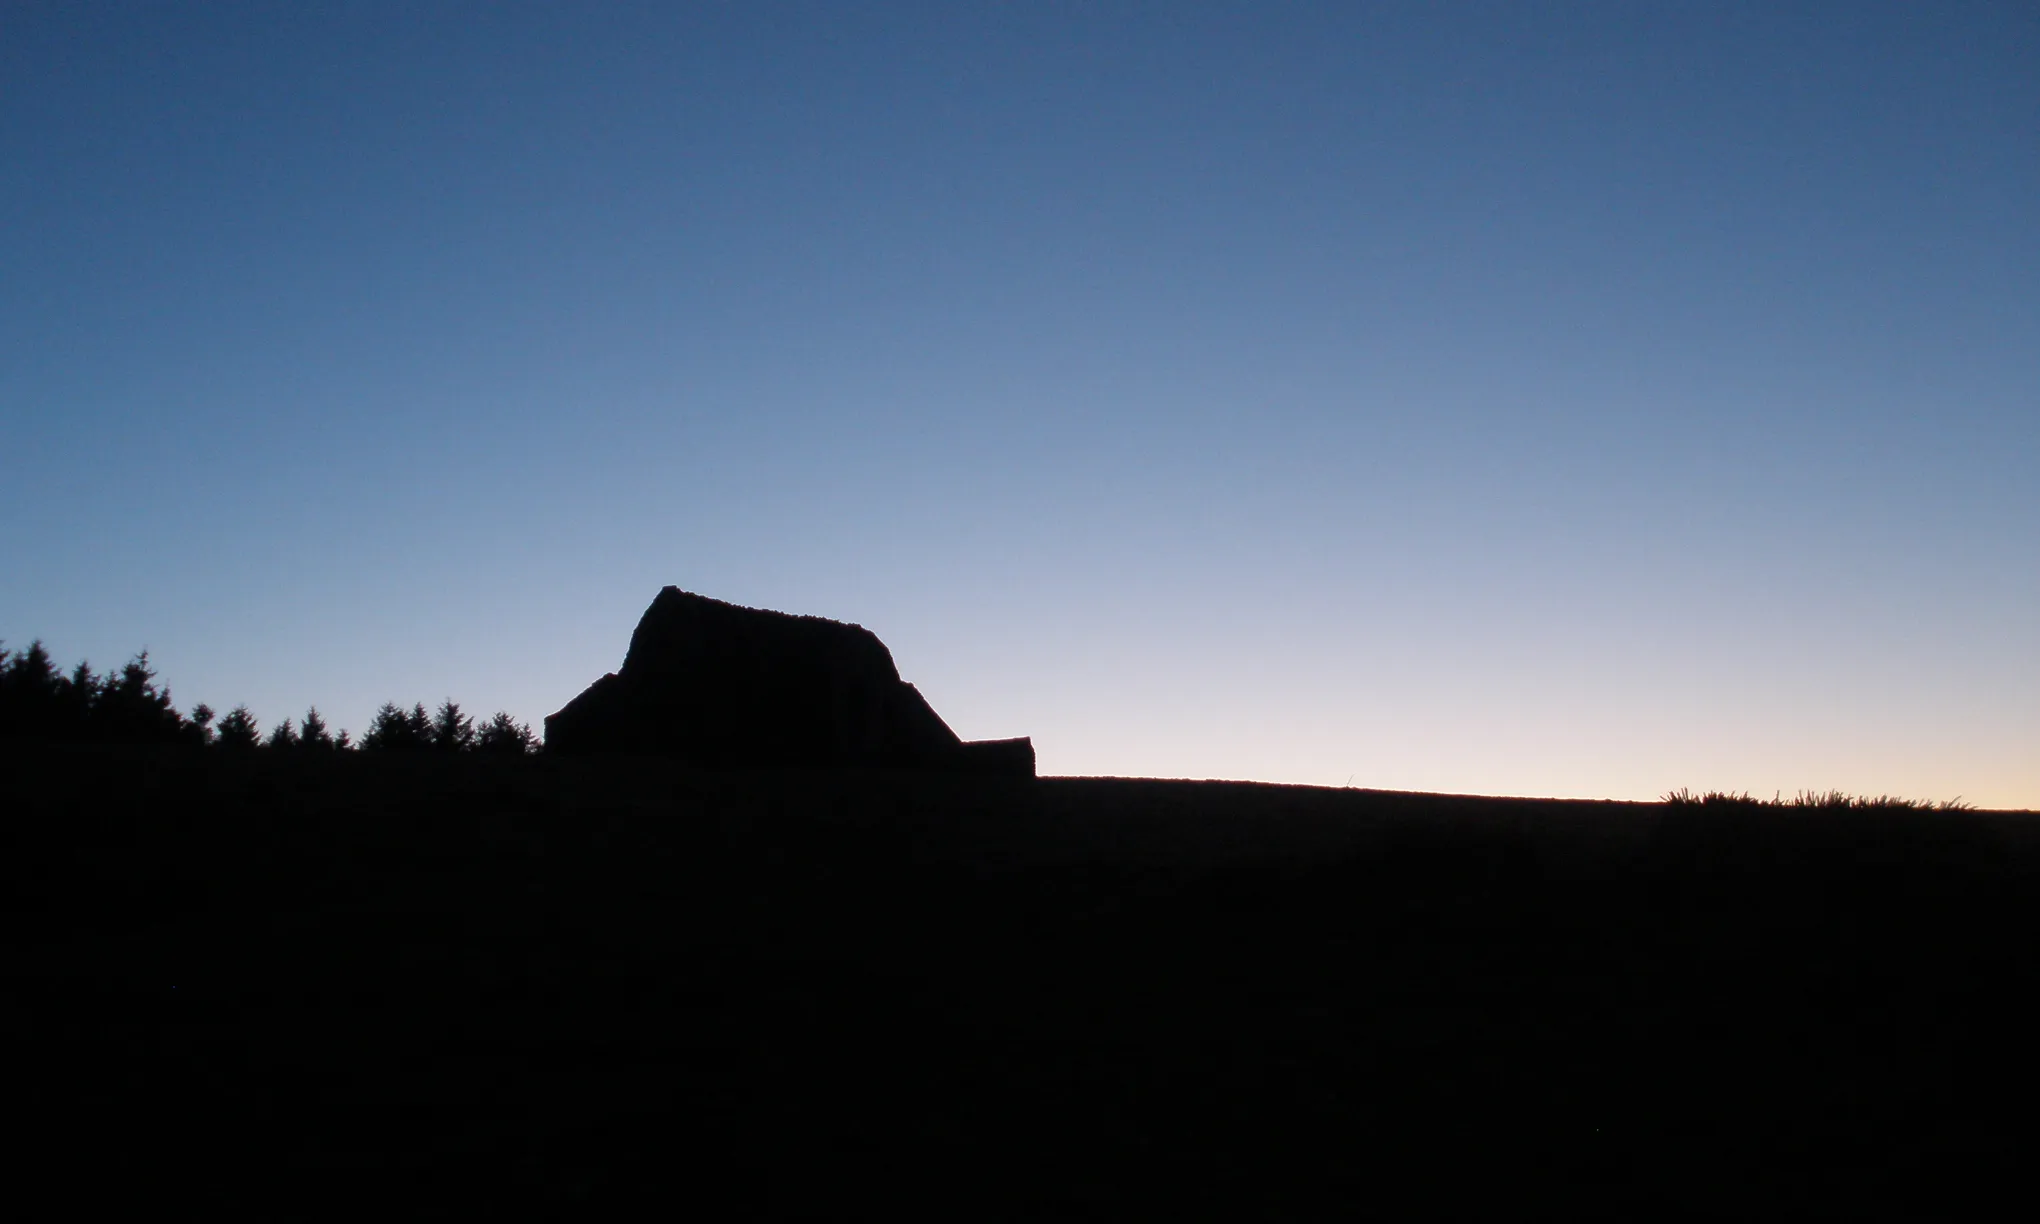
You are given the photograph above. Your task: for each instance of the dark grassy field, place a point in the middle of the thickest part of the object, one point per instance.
(412, 985)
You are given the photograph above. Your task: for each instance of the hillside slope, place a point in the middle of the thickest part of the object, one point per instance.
(553, 982)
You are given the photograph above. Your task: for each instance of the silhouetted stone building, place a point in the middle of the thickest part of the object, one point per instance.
(720, 685)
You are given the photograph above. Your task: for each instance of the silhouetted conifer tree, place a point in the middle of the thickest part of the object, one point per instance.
(200, 724)
(386, 720)
(505, 736)
(386, 730)
(452, 731)
(238, 730)
(312, 733)
(397, 730)
(76, 697)
(128, 705)
(32, 669)
(30, 692)
(129, 708)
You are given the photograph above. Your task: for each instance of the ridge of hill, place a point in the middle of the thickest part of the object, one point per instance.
(550, 983)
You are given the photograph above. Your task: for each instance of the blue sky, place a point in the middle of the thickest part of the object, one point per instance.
(1557, 399)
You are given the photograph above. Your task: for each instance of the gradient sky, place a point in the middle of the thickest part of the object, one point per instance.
(1556, 399)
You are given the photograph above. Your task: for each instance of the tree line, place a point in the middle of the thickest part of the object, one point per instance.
(40, 701)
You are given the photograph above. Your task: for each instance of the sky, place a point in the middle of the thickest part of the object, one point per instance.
(1559, 399)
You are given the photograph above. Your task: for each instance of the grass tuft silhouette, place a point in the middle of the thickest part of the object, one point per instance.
(1829, 801)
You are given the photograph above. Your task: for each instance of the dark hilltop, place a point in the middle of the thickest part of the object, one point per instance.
(755, 934)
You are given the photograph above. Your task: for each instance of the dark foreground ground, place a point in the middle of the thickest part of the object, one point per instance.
(562, 987)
